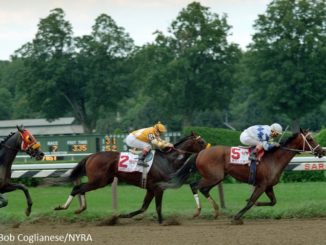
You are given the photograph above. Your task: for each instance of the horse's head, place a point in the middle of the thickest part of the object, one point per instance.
(29, 144)
(309, 144)
(192, 143)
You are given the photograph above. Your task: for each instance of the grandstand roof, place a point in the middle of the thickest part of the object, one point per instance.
(63, 125)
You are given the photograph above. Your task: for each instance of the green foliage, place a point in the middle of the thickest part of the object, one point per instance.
(48, 67)
(30, 182)
(5, 103)
(67, 74)
(195, 59)
(191, 76)
(303, 176)
(285, 65)
(315, 119)
(321, 137)
(216, 136)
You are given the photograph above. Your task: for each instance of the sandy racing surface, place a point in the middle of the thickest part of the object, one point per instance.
(178, 231)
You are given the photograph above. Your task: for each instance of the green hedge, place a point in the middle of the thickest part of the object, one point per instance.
(216, 136)
(321, 137)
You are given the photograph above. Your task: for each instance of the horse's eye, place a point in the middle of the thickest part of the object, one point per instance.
(28, 138)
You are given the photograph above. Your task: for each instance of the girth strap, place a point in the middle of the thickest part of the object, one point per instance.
(252, 172)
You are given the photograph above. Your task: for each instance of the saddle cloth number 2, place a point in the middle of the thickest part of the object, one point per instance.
(123, 160)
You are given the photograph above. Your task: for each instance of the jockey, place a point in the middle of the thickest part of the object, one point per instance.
(143, 138)
(259, 136)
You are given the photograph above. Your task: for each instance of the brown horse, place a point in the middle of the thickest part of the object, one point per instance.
(102, 167)
(21, 140)
(213, 164)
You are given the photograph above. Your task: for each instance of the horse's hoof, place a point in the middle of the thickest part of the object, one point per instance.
(79, 211)
(124, 216)
(28, 212)
(195, 215)
(237, 222)
(216, 215)
(58, 208)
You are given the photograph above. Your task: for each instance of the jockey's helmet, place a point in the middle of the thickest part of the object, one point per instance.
(277, 128)
(160, 127)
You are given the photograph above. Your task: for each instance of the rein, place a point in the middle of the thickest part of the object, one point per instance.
(181, 151)
(290, 149)
(189, 152)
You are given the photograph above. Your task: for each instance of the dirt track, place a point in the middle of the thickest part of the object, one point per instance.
(200, 231)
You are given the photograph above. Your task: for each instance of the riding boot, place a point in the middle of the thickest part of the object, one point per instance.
(141, 159)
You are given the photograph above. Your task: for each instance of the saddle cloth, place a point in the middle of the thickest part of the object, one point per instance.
(128, 162)
(240, 155)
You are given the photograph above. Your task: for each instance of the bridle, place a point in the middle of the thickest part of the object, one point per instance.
(305, 141)
(29, 147)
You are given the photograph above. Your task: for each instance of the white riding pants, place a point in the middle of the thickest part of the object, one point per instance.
(132, 141)
(247, 140)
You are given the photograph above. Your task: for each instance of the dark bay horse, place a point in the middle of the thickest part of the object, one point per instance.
(102, 167)
(21, 140)
(213, 164)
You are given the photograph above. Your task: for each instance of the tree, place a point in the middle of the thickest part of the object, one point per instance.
(198, 76)
(5, 95)
(102, 59)
(15, 104)
(48, 61)
(70, 76)
(287, 67)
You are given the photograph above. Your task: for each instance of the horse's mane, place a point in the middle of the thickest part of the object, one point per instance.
(288, 140)
(285, 142)
(181, 141)
(6, 138)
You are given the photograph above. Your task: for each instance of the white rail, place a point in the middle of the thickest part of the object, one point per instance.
(34, 170)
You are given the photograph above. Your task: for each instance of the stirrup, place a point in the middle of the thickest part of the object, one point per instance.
(143, 164)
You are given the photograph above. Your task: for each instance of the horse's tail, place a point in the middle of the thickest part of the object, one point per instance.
(178, 178)
(79, 170)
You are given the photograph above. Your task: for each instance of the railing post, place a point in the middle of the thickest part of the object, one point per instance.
(114, 193)
(221, 194)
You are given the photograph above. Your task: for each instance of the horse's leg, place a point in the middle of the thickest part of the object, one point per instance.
(205, 191)
(254, 197)
(147, 200)
(80, 199)
(69, 199)
(158, 202)
(194, 189)
(205, 185)
(14, 186)
(3, 201)
(270, 193)
(86, 187)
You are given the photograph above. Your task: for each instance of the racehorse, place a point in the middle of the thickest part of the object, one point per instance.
(21, 140)
(102, 167)
(213, 164)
